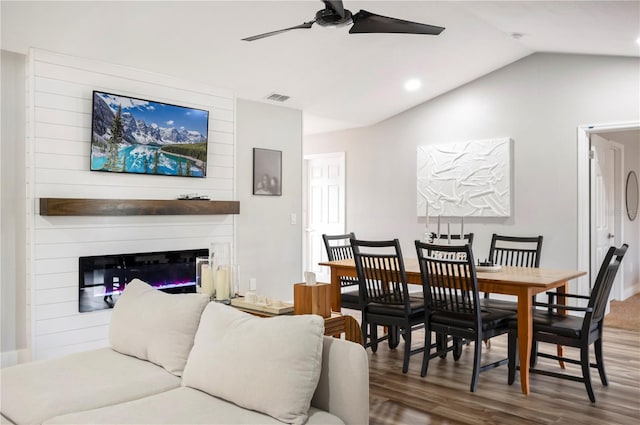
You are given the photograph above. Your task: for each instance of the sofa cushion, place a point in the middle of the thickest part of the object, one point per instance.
(271, 365)
(181, 406)
(33, 392)
(152, 325)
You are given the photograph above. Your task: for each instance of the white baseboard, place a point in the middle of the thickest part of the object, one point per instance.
(10, 358)
(631, 291)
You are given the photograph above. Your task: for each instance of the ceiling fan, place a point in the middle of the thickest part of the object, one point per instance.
(334, 14)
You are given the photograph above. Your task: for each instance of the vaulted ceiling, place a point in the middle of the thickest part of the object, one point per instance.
(339, 80)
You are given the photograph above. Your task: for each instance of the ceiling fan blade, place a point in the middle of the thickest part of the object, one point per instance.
(367, 22)
(335, 5)
(306, 25)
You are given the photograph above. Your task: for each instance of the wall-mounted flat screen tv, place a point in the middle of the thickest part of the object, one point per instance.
(131, 135)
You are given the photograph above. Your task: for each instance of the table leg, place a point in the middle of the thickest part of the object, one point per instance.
(525, 331)
(336, 305)
(562, 301)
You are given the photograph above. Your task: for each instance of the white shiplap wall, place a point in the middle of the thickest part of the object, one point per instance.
(59, 104)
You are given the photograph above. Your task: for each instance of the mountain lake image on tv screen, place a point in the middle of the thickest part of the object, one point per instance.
(131, 135)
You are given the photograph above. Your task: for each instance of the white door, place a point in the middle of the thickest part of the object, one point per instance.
(603, 202)
(325, 207)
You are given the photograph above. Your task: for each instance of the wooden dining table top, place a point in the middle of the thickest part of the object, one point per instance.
(506, 276)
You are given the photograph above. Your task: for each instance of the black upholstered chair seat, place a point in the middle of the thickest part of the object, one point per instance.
(490, 319)
(350, 299)
(558, 324)
(416, 308)
(491, 303)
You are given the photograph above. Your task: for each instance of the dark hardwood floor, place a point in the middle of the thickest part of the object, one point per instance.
(443, 396)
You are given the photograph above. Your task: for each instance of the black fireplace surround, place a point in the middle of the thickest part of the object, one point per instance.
(102, 278)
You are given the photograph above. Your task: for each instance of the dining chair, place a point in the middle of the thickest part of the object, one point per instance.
(554, 326)
(519, 251)
(339, 248)
(452, 303)
(444, 238)
(384, 296)
(516, 251)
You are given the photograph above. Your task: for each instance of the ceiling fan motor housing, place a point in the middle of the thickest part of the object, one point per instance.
(329, 17)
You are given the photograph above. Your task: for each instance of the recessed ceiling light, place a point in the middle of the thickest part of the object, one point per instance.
(412, 84)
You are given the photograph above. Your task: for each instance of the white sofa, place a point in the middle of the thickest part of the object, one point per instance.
(177, 359)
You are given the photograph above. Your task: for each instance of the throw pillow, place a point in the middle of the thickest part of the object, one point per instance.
(152, 325)
(271, 365)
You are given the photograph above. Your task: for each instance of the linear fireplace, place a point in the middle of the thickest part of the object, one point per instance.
(103, 278)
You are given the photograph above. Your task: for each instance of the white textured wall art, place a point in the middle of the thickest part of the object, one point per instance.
(465, 179)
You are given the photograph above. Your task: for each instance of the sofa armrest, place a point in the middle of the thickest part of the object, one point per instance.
(343, 389)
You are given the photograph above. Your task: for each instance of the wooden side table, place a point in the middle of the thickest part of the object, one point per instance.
(338, 324)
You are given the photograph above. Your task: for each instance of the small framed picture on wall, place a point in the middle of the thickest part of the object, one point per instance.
(267, 172)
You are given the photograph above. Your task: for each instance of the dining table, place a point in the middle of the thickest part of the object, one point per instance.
(523, 282)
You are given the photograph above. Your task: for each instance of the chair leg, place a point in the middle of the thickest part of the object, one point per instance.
(457, 348)
(374, 337)
(441, 345)
(427, 350)
(600, 361)
(513, 355)
(534, 354)
(586, 372)
(476, 363)
(394, 337)
(364, 334)
(364, 328)
(407, 348)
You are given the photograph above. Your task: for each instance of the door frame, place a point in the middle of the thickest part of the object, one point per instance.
(584, 193)
(342, 157)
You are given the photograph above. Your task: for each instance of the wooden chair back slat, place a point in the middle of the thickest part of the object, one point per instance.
(382, 277)
(338, 247)
(515, 250)
(450, 279)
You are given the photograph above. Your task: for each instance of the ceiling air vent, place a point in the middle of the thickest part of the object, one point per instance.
(278, 97)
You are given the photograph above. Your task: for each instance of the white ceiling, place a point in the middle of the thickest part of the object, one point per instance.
(338, 80)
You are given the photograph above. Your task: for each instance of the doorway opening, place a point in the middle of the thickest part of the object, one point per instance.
(601, 213)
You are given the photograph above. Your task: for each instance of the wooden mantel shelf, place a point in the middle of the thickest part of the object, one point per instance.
(122, 207)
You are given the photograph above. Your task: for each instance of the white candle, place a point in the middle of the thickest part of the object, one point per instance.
(222, 283)
(462, 228)
(438, 232)
(206, 279)
(426, 215)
